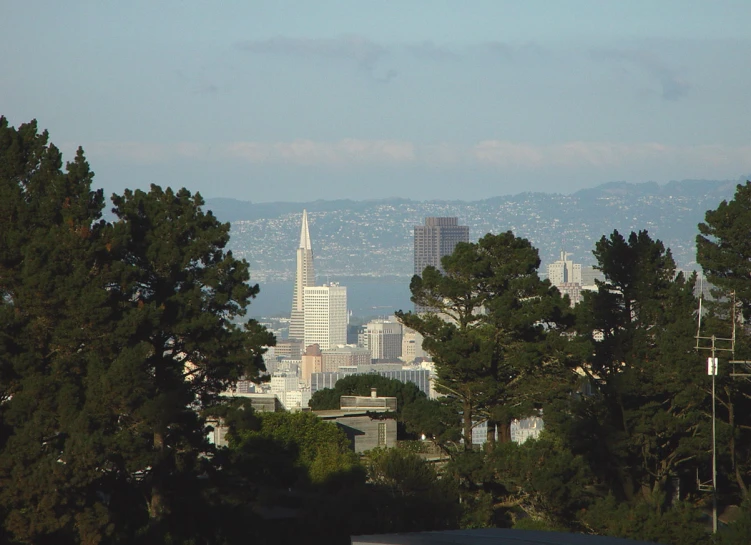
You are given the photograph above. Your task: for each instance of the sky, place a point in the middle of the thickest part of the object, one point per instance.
(364, 99)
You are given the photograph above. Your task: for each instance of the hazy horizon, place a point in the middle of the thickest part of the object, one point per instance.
(268, 101)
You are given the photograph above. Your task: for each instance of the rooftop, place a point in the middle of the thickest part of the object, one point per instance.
(491, 536)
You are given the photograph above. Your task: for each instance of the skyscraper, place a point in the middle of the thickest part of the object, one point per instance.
(566, 275)
(564, 271)
(437, 238)
(305, 276)
(325, 315)
(384, 339)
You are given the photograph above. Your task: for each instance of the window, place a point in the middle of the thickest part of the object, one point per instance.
(381, 434)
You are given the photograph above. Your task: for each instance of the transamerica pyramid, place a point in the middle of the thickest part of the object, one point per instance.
(304, 277)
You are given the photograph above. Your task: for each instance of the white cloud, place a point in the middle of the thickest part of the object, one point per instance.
(499, 154)
(310, 152)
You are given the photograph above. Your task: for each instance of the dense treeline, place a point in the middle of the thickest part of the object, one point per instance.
(623, 389)
(118, 336)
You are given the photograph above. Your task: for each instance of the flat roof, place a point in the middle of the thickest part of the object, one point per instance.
(338, 413)
(491, 536)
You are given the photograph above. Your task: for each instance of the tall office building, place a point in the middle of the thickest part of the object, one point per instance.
(384, 339)
(325, 315)
(564, 271)
(566, 275)
(304, 277)
(437, 238)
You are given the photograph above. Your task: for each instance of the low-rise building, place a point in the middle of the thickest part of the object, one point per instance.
(368, 421)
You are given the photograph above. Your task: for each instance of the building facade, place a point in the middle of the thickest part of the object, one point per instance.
(384, 339)
(311, 362)
(564, 271)
(437, 238)
(346, 355)
(304, 277)
(325, 315)
(419, 377)
(412, 346)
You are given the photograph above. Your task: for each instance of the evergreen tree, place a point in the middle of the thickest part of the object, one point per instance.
(54, 311)
(405, 393)
(114, 338)
(646, 419)
(178, 293)
(723, 247)
(492, 331)
(723, 250)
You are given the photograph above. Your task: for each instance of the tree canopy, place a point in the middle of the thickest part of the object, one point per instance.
(405, 393)
(115, 336)
(118, 337)
(490, 328)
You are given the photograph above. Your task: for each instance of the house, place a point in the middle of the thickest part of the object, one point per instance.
(368, 421)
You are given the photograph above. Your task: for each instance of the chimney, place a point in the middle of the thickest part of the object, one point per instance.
(373, 393)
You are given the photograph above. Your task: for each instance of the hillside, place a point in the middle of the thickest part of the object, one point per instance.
(374, 238)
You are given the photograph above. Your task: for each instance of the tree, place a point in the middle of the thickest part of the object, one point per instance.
(178, 292)
(490, 331)
(678, 526)
(543, 478)
(724, 252)
(419, 496)
(647, 411)
(54, 311)
(723, 247)
(434, 419)
(115, 336)
(319, 449)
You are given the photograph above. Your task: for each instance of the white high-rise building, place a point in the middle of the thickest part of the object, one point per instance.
(281, 384)
(566, 275)
(325, 315)
(304, 277)
(564, 271)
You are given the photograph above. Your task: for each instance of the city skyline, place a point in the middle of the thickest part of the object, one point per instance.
(176, 368)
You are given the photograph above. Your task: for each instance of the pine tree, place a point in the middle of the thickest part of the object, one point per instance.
(723, 249)
(645, 420)
(178, 346)
(52, 258)
(115, 337)
(491, 331)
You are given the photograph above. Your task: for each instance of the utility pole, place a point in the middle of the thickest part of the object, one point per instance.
(712, 370)
(728, 345)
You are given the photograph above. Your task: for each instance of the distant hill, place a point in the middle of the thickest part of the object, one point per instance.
(374, 237)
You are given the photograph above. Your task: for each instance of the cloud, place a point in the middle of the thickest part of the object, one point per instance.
(309, 152)
(608, 155)
(673, 86)
(507, 154)
(363, 52)
(378, 59)
(492, 154)
(428, 50)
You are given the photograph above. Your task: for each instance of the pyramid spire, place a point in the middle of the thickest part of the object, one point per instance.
(304, 233)
(304, 277)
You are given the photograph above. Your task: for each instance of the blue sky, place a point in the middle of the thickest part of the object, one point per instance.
(360, 99)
